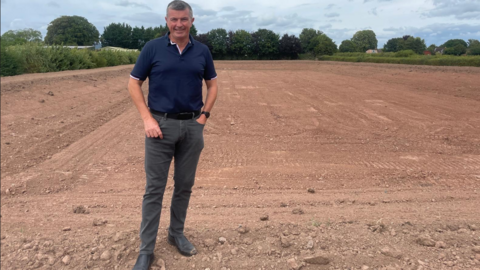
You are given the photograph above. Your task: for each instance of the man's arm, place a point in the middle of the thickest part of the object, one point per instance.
(152, 130)
(212, 89)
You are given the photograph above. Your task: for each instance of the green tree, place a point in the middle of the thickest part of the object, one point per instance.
(266, 44)
(473, 47)
(473, 43)
(454, 42)
(137, 38)
(348, 46)
(365, 40)
(156, 32)
(289, 46)
(218, 39)
(193, 31)
(203, 38)
(393, 45)
(118, 35)
(432, 48)
(323, 45)
(19, 37)
(458, 49)
(415, 44)
(306, 37)
(71, 30)
(241, 43)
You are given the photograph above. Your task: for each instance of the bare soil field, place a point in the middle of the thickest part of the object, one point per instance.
(307, 165)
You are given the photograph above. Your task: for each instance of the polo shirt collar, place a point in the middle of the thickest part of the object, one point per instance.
(169, 42)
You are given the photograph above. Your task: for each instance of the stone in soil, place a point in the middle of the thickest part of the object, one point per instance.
(222, 240)
(264, 217)
(66, 229)
(453, 227)
(66, 260)
(292, 264)
(105, 255)
(310, 244)
(50, 93)
(298, 211)
(248, 241)
(311, 190)
(425, 240)
(282, 204)
(99, 222)
(440, 244)
(161, 264)
(320, 260)
(243, 229)
(285, 241)
(391, 253)
(476, 249)
(473, 227)
(209, 243)
(80, 209)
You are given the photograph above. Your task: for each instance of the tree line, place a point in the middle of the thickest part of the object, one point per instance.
(239, 44)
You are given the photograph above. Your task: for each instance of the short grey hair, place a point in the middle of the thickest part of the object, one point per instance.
(180, 5)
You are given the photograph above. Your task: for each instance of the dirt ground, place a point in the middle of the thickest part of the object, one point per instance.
(307, 165)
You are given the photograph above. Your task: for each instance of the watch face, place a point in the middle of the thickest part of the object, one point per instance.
(207, 114)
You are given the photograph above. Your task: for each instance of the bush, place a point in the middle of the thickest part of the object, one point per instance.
(415, 60)
(475, 50)
(458, 49)
(35, 58)
(405, 53)
(11, 62)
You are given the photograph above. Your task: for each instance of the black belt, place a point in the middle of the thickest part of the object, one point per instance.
(178, 116)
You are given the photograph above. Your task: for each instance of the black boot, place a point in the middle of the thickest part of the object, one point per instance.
(183, 245)
(144, 262)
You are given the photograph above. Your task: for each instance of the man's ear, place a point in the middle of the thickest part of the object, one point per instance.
(193, 19)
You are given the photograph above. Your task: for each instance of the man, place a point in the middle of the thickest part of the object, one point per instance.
(176, 66)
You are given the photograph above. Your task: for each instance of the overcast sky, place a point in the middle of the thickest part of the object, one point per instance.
(434, 20)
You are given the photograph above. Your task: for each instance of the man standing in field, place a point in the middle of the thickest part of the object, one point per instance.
(176, 66)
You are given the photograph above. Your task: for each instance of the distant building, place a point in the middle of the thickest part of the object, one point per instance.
(373, 51)
(439, 50)
(73, 47)
(110, 48)
(427, 53)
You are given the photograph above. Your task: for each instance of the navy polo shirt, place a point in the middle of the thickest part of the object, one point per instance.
(175, 80)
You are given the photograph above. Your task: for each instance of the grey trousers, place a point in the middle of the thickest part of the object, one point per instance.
(182, 141)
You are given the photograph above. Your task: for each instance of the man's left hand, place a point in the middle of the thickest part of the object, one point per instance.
(202, 119)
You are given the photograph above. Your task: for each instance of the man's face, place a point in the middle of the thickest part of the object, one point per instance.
(179, 23)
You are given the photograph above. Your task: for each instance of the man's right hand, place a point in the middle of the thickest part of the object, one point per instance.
(152, 129)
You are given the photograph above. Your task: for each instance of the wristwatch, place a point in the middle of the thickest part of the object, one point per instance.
(207, 114)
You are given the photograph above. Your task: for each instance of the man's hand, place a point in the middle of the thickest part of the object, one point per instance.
(152, 129)
(202, 119)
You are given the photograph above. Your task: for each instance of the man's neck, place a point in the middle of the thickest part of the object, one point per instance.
(179, 42)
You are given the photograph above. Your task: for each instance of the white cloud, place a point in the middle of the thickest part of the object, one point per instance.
(333, 14)
(460, 9)
(127, 3)
(433, 20)
(53, 4)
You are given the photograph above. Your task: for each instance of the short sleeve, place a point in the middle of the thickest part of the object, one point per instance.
(142, 67)
(209, 72)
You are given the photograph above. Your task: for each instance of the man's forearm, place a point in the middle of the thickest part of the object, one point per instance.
(211, 97)
(135, 90)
